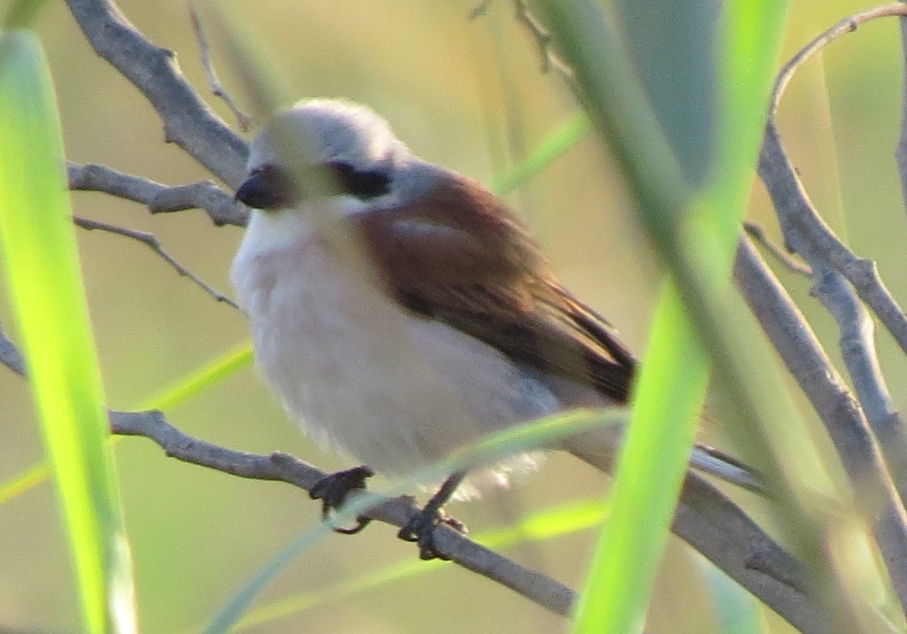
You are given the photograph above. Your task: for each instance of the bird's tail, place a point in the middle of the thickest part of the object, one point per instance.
(598, 448)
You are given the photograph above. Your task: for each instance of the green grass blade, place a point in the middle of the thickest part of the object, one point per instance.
(201, 378)
(672, 385)
(567, 134)
(563, 519)
(229, 615)
(671, 46)
(24, 481)
(650, 467)
(41, 265)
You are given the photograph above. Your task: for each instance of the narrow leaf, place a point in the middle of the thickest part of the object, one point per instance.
(42, 274)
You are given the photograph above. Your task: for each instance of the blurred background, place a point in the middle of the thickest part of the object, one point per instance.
(465, 94)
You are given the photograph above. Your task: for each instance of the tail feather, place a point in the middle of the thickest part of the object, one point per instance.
(599, 447)
(719, 464)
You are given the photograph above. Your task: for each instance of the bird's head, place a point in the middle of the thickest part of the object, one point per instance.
(346, 141)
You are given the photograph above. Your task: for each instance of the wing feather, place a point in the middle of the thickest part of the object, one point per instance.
(459, 255)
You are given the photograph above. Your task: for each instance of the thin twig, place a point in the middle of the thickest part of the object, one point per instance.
(543, 41)
(158, 198)
(151, 241)
(859, 272)
(857, 341)
(480, 9)
(242, 119)
(188, 122)
(758, 234)
(845, 26)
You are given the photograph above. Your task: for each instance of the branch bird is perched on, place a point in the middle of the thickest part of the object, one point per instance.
(429, 320)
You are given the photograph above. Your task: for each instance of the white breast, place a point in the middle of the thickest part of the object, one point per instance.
(396, 391)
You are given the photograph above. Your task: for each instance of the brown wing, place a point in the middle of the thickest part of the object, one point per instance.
(460, 256)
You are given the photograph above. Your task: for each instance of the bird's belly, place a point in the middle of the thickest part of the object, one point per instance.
(394, 390)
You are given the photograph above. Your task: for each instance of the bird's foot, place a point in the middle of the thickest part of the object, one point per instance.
(421, 530)
(421, 527)
(332, 491)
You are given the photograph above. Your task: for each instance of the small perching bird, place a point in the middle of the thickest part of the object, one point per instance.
(406, 311)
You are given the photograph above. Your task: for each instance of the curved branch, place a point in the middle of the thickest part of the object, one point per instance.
(188, 122)
(861, 273)
(151, 241)
(845, 26)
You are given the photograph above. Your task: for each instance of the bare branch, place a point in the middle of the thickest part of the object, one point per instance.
(800, 350)
(756, 233)
(544, 42)
(158, 198)
(857, 342)
(188, 122)
(396, 511)
(717, 528)
(151, 241)
(10, 355)
(859, 452)
(242, 119)
(806, 233)
(816, 242)
(862, 274)
(708, 520)
(845, 26)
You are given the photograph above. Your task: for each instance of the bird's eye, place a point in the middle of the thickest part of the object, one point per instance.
(359, 183)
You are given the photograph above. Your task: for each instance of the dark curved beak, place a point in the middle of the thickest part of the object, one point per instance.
(268, 187)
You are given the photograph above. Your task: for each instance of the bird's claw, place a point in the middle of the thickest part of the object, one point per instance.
(332, 491)
(421, 529)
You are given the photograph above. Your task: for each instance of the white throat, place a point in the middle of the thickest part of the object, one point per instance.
(269, 231)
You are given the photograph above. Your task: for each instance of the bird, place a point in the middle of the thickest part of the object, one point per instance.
(400, 311)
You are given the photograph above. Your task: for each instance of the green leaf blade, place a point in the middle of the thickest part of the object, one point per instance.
(648, 476)
(41, 266)
(692, 215)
